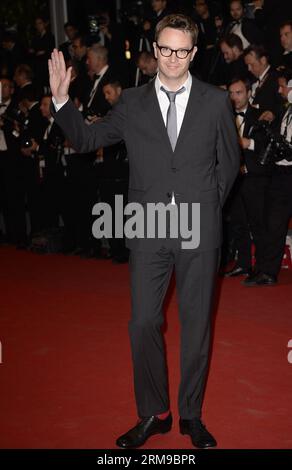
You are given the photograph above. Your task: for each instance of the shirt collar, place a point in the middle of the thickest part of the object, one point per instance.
(103, 71)
(264, 73)
(187, 84)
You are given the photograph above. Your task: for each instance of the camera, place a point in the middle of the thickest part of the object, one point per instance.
(94, 22)
(14, 114)
(275, 147)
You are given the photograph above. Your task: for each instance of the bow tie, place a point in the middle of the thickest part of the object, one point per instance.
(236, 22)
(241, 113)
(96, 77)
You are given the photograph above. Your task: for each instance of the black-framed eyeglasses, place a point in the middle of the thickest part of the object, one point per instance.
(180, 53)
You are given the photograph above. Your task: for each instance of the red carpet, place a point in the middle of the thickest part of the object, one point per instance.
(66, 379)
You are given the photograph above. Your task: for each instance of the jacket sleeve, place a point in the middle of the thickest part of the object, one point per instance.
(228, 151)
(84, 138)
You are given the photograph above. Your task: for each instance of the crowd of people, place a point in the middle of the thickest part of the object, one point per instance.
(45, 183)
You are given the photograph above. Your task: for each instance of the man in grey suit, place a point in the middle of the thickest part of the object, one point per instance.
(182, 148)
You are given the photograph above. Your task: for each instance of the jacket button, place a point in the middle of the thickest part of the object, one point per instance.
(174, 169)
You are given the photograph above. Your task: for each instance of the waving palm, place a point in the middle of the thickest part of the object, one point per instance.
(59, 76)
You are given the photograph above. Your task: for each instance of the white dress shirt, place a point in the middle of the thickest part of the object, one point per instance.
(181, 100)
(94, 88)
(257, 84)
(237, 29)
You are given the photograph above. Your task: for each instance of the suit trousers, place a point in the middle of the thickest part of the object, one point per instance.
(279, 213)
(195, 279)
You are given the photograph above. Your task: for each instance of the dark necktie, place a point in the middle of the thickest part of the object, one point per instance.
(171, 119)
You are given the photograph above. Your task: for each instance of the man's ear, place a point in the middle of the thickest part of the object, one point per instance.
(155, 50)
(194, 53)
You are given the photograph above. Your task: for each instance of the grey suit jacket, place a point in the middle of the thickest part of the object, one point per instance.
(201, 169)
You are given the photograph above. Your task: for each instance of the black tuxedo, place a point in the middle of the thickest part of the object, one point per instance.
(99, 105)
(35, 126)
(201, 169)
(11, 181)
(254, 189)
(249, 30)
(267, 95)
(279, 212)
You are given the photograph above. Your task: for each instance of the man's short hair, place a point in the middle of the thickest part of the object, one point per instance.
(232, 40)
(26, 70)
(244, 80)
(100, 51)
(114, 83)
(146, 56)
(286, 23)
(81, 39)
(258, 50)
(180, 22)
(285, 73)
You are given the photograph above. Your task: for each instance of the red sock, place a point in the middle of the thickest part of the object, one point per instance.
(163, 415)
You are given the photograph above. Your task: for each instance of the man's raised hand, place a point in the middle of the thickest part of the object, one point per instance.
(59, 77)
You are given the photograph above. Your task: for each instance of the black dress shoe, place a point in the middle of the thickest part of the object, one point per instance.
(147, 427)
(261, 279)
(200, 436)
(236, 271)
(266, 280)
(250, 279)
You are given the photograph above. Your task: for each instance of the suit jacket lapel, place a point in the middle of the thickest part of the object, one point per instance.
(151, 106)
(191, 114)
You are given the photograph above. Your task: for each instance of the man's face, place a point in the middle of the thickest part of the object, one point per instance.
(283, 88)
(94, 62)
(70, 32)
(239, 95)
(236, 10)
(40, 25)
(286, 38)
(201, 7)
(227, 52)
(45, 107)
(147, 67)
(112, 93)
(172, 68)
(79, 50)
(254, 65)
(7, 89)
(18, 77)
(158, 5)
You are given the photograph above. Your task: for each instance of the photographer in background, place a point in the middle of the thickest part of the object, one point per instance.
(32, 128)
(47, 151)
(11, 180)
(264, 92)
(114, 176)
(279, 197)
(248, 201)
